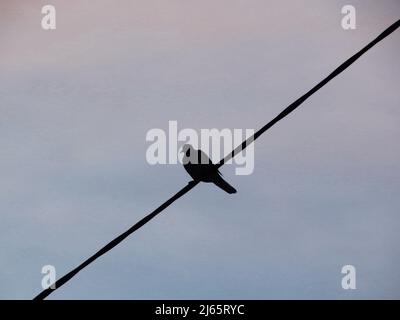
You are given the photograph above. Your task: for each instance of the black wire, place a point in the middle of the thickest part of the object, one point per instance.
(116, 241)
(241, 147)
(303, 98)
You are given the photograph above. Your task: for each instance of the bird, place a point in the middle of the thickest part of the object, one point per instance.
(200, 168)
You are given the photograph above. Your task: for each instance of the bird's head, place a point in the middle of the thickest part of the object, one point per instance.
(186, 149)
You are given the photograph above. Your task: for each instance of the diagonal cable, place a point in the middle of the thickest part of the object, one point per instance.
(304, 97)
(238, 149)
(115, 242)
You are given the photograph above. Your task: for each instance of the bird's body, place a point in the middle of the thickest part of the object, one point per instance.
(200, 168)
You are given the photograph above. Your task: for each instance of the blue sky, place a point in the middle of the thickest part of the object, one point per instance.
(76, 104)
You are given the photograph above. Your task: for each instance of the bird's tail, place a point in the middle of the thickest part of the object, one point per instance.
(220, 182)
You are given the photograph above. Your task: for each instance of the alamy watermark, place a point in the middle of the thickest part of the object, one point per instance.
(48, 21)
(349, 280)
(215, 143)
(349, 18)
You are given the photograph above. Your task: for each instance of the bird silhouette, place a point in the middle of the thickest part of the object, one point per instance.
(200, 168)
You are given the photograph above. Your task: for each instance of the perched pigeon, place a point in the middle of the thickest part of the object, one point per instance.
(200, 168)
